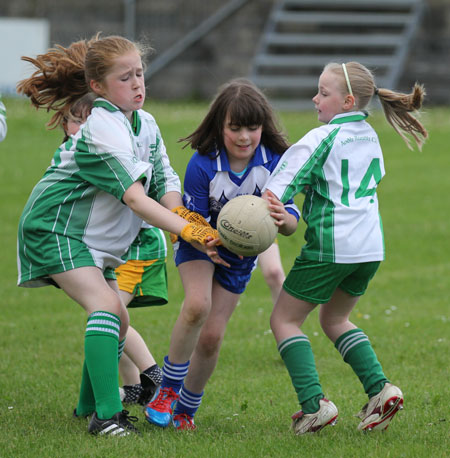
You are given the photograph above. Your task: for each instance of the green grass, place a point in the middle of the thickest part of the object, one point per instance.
(248, 402)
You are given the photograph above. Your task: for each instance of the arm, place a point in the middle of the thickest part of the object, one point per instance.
(151, 211)
(157, 215)
(171, 200)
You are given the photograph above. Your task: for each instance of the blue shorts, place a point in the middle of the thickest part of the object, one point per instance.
(234, 278)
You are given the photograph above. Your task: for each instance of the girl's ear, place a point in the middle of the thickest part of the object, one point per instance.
(349, 102)
(96, 87)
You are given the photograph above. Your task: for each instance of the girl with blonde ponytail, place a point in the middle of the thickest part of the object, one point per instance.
(339, 165)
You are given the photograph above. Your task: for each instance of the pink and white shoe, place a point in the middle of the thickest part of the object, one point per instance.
(381, 408)
(314, 422)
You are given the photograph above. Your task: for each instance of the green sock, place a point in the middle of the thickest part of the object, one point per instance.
(101, 350)
(299, 359)
(356, 350)
(86, 402)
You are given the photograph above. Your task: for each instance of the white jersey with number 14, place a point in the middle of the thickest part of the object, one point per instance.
(339, 165)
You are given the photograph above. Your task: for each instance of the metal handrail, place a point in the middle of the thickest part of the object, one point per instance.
(193, 36)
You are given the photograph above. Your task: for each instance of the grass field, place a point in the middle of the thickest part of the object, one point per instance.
(248, 402)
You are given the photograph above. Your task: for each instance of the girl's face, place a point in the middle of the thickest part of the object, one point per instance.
(240, 142)
(124, 85)
(329, 100)
(72, 125)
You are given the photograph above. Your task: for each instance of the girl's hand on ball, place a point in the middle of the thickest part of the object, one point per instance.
(277, 210)
(286, 223)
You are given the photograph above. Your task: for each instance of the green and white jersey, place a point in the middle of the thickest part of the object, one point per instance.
(340, 164)
(77, 205)
(3, 126)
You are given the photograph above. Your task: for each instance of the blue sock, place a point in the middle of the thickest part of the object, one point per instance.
(174, 374)
(188, 403)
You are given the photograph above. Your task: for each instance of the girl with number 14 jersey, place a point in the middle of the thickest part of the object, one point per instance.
(339, 165)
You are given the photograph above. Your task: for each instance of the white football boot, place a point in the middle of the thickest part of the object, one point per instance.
(381, 408)
(313, 422)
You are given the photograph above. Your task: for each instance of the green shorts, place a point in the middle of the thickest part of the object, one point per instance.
(45, 254)
(315, 281)
(147, 280)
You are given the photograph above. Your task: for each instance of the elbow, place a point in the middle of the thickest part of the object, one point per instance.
(130, 202)
(133, 196)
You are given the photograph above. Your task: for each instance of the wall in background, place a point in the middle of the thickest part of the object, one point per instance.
(227, 51)
(20, 37)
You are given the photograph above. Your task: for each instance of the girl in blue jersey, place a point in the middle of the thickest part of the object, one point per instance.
(238, 146)
(341, 164)
(84, 213)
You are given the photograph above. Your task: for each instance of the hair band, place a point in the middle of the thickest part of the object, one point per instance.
(347, 79)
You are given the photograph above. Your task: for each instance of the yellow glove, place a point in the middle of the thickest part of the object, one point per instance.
(190, 216)
(197, 233)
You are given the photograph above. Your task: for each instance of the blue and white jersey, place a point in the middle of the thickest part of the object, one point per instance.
(209, 182)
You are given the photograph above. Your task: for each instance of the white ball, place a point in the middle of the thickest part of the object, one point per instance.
(245, 226)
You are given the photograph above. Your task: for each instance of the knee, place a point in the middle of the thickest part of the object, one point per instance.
(117, 308)
(124, 322)
(274, 277)
(111, 303)
(195, 312)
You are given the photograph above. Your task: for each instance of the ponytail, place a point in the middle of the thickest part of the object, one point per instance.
(58, 81)
(398, 109)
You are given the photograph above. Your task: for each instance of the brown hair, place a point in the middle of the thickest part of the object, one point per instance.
(80, 109)
(247, 106)
(397, 107)
(63, 75)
